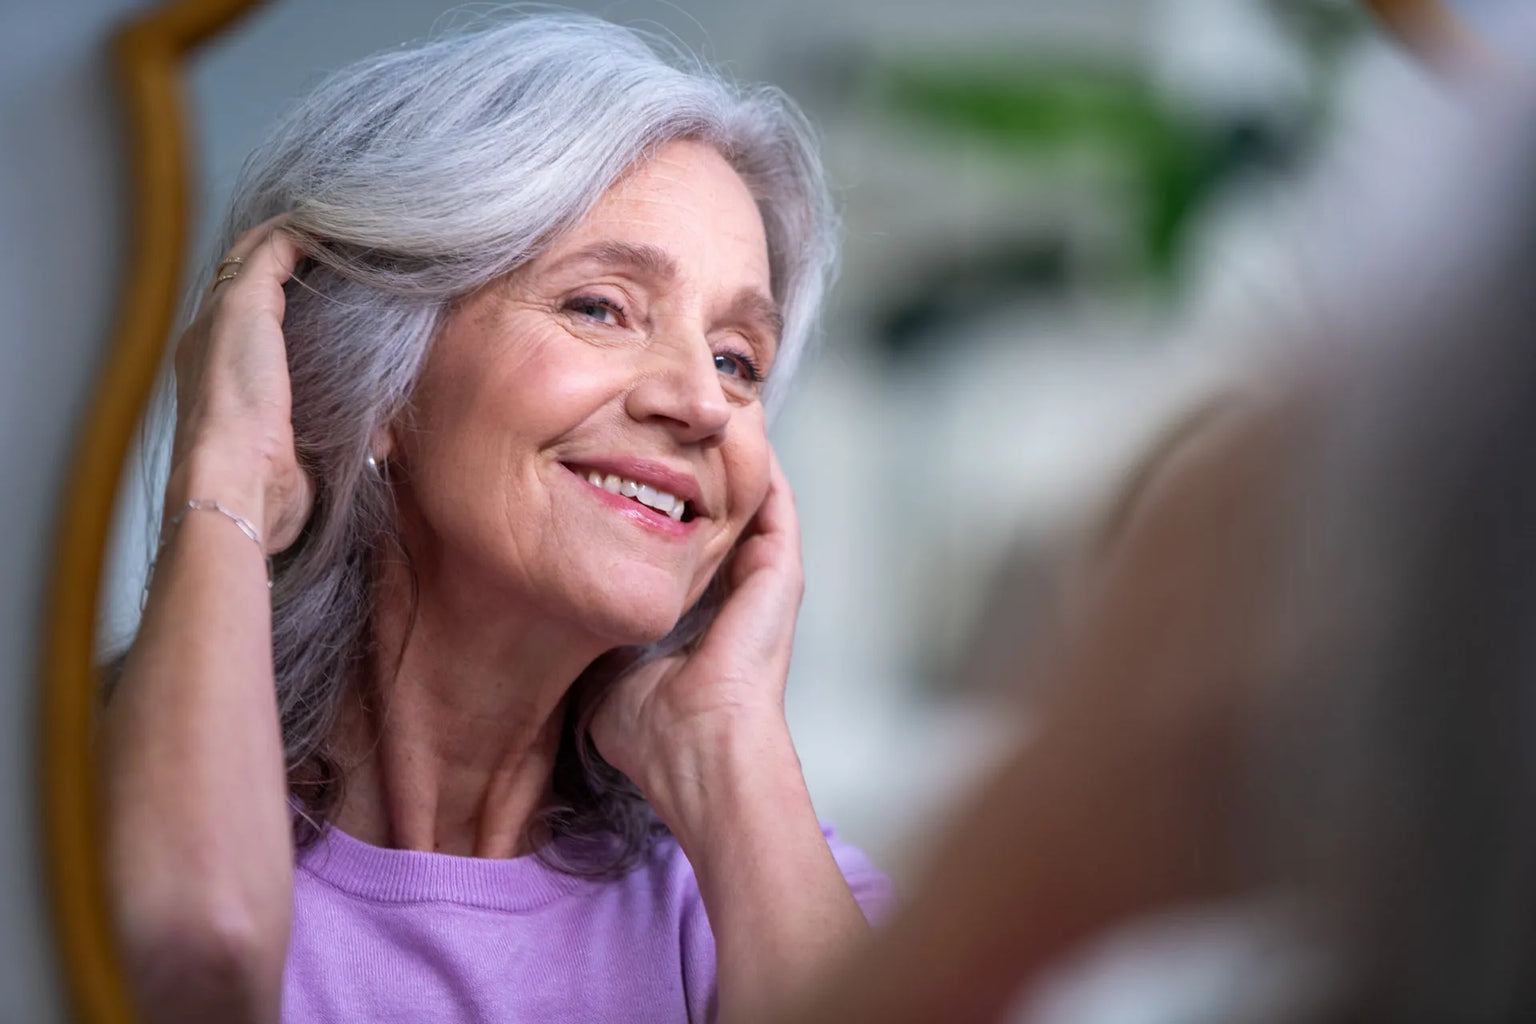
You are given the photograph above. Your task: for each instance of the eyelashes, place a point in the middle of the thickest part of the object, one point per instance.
(594, 306)
(598, 309)
(748, 369)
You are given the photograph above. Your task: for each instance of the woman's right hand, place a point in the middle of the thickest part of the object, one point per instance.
(234, 428)
(198, 837)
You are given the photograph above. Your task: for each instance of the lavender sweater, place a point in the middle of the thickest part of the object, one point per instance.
(395, 935)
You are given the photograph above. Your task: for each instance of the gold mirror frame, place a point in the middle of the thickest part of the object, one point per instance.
(148, 54)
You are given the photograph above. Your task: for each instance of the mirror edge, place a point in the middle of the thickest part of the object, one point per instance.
(147, 54)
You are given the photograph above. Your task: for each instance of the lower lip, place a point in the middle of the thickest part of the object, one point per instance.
(640, 515)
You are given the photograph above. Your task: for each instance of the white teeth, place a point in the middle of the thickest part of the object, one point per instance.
(661, 501)
(664, 502)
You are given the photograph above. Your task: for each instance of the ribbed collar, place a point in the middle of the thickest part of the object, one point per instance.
(409, 876)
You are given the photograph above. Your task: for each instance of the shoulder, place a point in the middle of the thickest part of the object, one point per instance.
(670, 878)
(666, 867)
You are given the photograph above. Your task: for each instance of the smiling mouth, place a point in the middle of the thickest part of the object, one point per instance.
(669, 505)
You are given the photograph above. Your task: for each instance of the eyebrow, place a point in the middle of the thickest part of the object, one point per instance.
(653, 262)
(752, 306)
(650, 260)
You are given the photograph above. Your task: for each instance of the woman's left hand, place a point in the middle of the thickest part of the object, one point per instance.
(663, 715)
(704, 737)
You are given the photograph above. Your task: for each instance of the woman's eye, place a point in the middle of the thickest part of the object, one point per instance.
(734, 364)
(604, 311)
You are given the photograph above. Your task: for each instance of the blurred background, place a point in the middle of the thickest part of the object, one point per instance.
(1065, 221)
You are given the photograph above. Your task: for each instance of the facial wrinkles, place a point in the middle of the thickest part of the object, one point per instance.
(516, 343)
(540, 336)
(728, 244)
(703, 323)
(569, 540)
(462, 397)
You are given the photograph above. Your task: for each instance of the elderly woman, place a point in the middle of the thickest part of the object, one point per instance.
(480, 391)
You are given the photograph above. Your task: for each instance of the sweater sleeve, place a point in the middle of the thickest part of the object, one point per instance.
(871, 888)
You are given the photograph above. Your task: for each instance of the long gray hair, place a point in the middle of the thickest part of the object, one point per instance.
(413, 178)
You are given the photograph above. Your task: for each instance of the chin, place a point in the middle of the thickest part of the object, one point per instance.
(637, 605)
(636, 634)
(628, 626)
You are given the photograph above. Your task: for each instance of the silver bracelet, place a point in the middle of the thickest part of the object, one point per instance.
(205, 505)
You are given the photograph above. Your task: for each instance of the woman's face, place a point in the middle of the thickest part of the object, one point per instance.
(627, 358)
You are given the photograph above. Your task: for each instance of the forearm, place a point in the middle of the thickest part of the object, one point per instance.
(1073, 835)
(198, 847)
(777, 902)
(1018, 878)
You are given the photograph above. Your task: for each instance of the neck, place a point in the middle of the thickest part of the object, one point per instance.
(450, 739)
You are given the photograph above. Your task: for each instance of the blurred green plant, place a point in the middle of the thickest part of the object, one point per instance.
(1026, 108)
(1033, 109)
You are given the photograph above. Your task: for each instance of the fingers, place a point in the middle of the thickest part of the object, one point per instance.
(249, 240)
(777, 513)
(260, 259)
(252, 292)
(772, 538)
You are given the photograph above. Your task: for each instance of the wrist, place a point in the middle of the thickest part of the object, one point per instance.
(234, 480)
(726, 778)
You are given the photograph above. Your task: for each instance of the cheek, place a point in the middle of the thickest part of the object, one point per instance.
(749, 478)
(748, 468)
(526, 385)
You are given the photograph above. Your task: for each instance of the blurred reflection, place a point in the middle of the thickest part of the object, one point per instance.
(1054, 213)
(1291, 657)
(1282, 767)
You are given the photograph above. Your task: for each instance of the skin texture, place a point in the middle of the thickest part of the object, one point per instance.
(636, 336)
(201, 891)
(524, 577)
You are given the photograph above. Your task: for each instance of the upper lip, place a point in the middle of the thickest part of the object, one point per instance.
(677, 482)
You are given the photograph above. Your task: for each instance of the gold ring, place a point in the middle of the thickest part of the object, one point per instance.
(221, 276)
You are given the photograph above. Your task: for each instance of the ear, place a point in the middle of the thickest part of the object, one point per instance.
(382, 444)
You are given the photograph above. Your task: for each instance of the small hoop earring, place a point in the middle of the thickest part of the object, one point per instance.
(373, 464)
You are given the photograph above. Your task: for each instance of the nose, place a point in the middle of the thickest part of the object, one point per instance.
(680, 388)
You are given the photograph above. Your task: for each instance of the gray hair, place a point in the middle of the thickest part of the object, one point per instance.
(413, 178)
